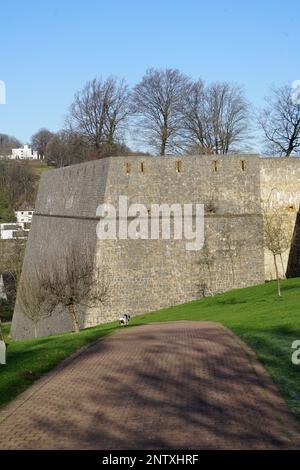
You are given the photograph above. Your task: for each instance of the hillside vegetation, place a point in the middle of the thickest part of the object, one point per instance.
(19, 183)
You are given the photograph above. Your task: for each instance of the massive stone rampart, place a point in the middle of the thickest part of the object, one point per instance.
(145, 275)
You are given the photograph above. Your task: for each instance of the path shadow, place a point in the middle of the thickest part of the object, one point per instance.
(158, 387)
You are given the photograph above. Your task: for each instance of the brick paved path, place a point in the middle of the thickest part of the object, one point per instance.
(171, 385)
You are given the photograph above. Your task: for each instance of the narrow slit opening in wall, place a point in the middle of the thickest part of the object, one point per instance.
(142, 167)
(127, 168)
(216, 165)
(178, 166)
(243, 165)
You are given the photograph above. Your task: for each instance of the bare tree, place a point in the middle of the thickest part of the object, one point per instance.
(280, 122)
(17, 183)
(33, 300)
(99, 111)
(66, 148)
(196, 120)
(74, 281)
(118, 110)
(56, 152)
(7, 143)
(39, 141)
(215, 118)
(158, 102)
(227, 113)
(276, 235)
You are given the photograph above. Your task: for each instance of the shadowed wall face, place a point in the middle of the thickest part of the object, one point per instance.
(280, 186)
(293, 266)
(146, 275)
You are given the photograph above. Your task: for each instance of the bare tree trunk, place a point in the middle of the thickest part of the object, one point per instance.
(35, 330)
(282, 265)
(73, 316)
(163, 142)
(277, 275)
(162, 149)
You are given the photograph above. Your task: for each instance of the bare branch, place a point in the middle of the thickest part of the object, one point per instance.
(99, 112)
(280, 122)
(73, 281)
(158, 103)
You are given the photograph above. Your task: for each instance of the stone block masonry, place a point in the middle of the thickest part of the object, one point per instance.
(145, 275)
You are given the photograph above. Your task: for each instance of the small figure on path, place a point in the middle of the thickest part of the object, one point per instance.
(124, 320)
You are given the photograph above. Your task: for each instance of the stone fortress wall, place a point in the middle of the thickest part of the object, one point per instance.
(145, 275)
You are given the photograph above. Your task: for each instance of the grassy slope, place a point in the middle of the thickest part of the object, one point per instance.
(267, 323)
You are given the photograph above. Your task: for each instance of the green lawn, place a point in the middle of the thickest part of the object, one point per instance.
(267, 323)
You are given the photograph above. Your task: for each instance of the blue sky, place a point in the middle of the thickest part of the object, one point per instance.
(49, 49)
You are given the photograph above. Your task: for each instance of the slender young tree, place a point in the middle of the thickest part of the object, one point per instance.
(276, 236)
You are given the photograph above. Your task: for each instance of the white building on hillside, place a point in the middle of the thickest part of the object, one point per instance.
(11, 231)
(25, 153)
(19, 229)
(24, 216)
